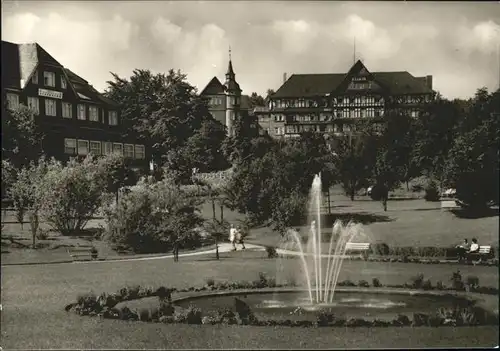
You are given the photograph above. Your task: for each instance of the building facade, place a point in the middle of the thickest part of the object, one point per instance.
(225, 101)
(330, 103)
(75, 118)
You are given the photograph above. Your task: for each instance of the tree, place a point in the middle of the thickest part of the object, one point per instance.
(435, 131)
(29, 192)
(118, 173)
(355, 160)
(390, 154)
(74, 194)
(256, 100)
(472, 165)
(21, 136)
(164, 109)
(203, 151)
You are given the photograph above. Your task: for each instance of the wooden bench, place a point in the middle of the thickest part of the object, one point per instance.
(79, 253)
(485, 252)
(361, 248)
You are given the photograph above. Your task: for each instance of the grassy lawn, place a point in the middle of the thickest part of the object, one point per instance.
(33, 298)
(406, 223)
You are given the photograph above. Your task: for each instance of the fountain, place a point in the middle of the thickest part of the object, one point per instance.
(320, 270)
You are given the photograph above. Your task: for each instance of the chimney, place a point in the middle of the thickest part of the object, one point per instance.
(428, 81)
(284, 78)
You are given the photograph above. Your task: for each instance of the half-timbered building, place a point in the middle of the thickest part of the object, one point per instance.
(330, 103)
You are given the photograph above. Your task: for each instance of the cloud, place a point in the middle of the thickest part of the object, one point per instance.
(453, 42)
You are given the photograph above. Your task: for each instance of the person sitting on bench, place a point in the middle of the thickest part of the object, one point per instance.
(474, 248)
(462, 249)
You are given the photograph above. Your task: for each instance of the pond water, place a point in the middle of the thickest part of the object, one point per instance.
(295, 305)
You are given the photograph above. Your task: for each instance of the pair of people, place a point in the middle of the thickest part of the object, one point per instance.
(236, 235)
(466, 249)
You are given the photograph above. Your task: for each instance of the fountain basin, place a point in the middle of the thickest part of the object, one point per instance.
(293, 304)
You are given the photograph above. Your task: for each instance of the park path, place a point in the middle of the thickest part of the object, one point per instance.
(224, 247)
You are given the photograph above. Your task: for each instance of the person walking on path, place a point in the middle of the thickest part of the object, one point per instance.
(240, 236)
(232, 236)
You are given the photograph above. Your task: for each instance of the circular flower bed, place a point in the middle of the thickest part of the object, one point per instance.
(105, 306)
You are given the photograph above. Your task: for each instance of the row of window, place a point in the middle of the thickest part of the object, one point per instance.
(345, 100)
(84, 147)
(215, 101)
(331, 128)
(66, 109)
(340, 113)
(49, 79)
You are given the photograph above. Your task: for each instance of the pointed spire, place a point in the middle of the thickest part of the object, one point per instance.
(354, 52)
(230, 72)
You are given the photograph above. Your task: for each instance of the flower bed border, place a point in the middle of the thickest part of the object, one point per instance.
(104, 306)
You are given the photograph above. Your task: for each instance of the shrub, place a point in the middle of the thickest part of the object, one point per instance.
(346, 283)
(456, 281)
(472, 282)
(153, 217)
(427, 285)
(440, 285)
(431, 191)
(244, 312)
(193, 315)
(417, 281)
(363, 284)
(380, 249)
(209, 282)
(77, 191)
(376, 283)
(420, 319)
(401, 320)
(324, 317)
(271, 252)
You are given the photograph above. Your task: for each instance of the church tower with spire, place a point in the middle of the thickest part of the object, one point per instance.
(233, 97)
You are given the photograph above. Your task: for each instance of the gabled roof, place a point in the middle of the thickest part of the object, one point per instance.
(214, 87)
(308, 85)
(245, 102)
(11, 73)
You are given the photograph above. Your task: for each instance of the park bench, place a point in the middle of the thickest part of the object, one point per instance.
(485, 252)
(362, 248)
(81, 253)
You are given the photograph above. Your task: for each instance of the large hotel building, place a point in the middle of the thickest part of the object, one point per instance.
(329, 103)
(75, 118)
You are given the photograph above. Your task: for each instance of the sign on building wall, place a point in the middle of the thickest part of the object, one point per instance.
(50, 94)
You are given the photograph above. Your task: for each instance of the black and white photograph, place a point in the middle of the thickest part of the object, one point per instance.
(250, 174)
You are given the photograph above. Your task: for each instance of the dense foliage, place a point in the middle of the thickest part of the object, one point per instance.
(153, 217)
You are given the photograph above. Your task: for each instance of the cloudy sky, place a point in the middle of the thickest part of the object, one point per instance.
(457, 43)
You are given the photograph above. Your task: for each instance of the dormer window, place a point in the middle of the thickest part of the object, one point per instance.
(49, 79)
(34, 77)
(64, 85)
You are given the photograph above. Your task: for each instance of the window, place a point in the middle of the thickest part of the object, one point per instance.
(95, 147)
(107, 148)
(93, 113)
(49, 79)
(12, 100)
(83, 147)
(370, 112)
(70, 146)
(140, 153)
(113, 118)
(34, 104)
(50, 107)
(128, 151)
(414, 113)
(118, 148)
(64, 85)
(34, 77)
(67, 110)
(81, 112)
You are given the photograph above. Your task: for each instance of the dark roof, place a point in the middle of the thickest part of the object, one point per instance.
(214, 87)
(11, 73)
(306, 85)
(19, 61)
(232, 85)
